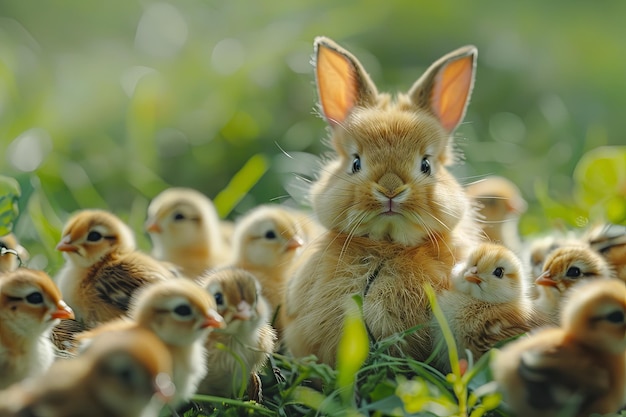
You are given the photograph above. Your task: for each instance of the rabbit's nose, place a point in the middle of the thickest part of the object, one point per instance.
(390, 184)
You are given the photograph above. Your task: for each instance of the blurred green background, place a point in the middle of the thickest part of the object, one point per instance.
(104, 104)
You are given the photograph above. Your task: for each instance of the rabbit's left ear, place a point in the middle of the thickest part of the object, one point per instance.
(446, 86)
(342, 83)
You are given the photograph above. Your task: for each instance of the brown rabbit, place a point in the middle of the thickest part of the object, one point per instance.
(396, 218)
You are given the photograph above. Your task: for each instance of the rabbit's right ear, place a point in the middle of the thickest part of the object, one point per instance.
(342, 83)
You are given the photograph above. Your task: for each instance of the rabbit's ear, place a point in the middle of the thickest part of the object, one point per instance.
(342, 83)
(446, 86)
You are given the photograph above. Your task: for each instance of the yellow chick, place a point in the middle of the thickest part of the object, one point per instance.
(610, 241)
(500, 205)
(103, 269)
(12, 254)
(580, 366)
(248, 337)
(487, 303)
(266, 240)
(563, 268)
(30, 305)
(122, 374)
(185, 230)
(182, 315)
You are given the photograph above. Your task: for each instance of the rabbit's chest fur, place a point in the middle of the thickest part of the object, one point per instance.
(389, 277)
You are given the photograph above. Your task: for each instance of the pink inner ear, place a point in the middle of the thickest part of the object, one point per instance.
(451, 90)
(336, 83)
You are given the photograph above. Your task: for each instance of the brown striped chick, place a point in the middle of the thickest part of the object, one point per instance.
(248, 337)
(500, 205)
(122, 374)
(579, 366)
(30, 305)
(103, 269)
(12, 254)
(537, 251)
(610, 241)
(266, 241)
(185, 230)
(182, 315)
(487, 303)
(565, 267)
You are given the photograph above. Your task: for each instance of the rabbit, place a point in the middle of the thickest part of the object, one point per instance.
(396, 219)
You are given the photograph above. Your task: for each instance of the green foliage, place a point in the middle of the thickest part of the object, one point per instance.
(9, 196)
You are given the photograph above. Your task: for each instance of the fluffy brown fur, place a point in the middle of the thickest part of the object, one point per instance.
(397, 218)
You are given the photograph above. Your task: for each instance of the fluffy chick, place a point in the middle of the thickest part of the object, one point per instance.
(30, 305)
(266, 240)
(248, 337)
(122, 374)
(102, 269)
(610, 241)
(500, 205)
(563, 268)
(185, 230)
(579, 366)
(182, 315)
(12, 254)
(487, 303)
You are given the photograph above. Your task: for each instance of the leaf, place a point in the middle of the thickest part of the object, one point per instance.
(9, 195)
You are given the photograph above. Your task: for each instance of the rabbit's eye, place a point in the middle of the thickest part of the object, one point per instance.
(425, 168)
(498, 272)
(573, 272)
(356, 164)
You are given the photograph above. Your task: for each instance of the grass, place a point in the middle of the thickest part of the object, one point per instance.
(368, 381)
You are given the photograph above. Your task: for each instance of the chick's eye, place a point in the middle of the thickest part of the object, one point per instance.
(183, 310)
(573, 272)
(498, 272)
(179, 216)
(94, 236)
(34, 298)
(616, 317)
(425, 167)
(219, 298)
(356, 164)
(270, 234)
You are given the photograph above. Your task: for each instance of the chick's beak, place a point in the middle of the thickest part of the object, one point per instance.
(214, 320)
(294, 243)
(473, 279)
(152, 227)
(65, 245)
(545, 280)
(63, 311)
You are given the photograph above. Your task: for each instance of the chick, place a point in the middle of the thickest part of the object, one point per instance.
(500, 205)
(103, 269)
(610, 241)
(563, 268)
(266, 241)
(182, 315)
(486, 304)
(30, 305)
(248, 337)
(185, 230)
(579, 366)
(122, 374)
(12, 254)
